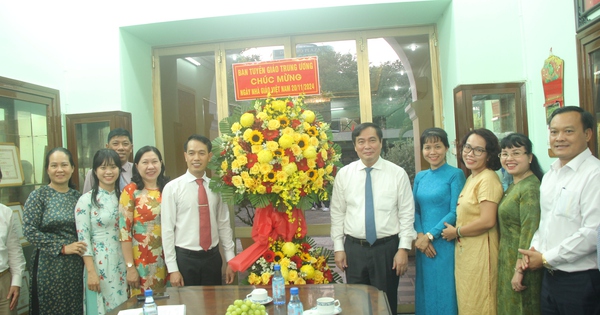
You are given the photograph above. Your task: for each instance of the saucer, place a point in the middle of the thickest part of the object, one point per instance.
(263, 302)
(313, 311)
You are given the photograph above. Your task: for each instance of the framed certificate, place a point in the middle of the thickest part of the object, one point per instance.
(10, 163)
(17, 209)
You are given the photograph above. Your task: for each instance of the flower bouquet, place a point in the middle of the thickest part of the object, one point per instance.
(280, 158)
(301, 263)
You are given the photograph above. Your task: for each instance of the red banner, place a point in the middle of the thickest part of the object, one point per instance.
(280, 78)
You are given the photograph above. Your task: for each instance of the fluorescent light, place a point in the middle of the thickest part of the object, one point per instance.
(192, 61)
(338, 108)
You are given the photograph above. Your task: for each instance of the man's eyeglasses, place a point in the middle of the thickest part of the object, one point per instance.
(476, 151)
(514, 154)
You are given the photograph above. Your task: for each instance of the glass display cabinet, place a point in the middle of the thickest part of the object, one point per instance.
(87, 133)
(588, 44)
(500, 108)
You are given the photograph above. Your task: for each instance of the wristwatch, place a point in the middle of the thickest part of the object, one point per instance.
(545, 263)
(129, 265)
(429, 236)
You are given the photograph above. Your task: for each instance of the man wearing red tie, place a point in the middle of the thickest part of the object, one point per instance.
(194, 221)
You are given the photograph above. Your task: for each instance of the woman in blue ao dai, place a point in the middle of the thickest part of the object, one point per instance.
(436, 192)
(97, 219)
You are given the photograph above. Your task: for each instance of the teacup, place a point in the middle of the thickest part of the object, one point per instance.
(258, 295)
(327, 305)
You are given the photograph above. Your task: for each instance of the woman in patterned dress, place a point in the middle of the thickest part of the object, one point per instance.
(476, 231)
(518, 218)
(97, 219)
(56, 285)
(139, 222)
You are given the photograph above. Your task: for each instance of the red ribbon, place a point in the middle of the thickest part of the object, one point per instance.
(269, 224)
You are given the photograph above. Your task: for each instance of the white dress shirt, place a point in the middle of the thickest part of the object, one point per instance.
(392, 201)
(124, 180)
(570, 214)
(11, 253)
(180, 219)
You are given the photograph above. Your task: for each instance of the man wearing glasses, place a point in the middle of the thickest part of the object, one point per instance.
(565, 242)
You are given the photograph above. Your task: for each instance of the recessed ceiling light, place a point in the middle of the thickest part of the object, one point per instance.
(192, 61)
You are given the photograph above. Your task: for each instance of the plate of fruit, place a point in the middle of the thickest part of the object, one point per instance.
(246, 307)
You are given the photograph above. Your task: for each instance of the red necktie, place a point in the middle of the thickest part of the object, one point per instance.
(205, 235)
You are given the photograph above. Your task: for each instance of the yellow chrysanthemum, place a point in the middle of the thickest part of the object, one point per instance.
(273, 124)
(292, 275)
(237, 181)
(255, 137)
(286, 141)
(278, 105)
(224, 165)
(236, 127)
(272, 146)
(309, 116)
(283, 121)
(288, 131)
(290, 169)
(247, 120)
(308, 270)
(289, 249)
(310, 152)
(284, 262)
(265, 156)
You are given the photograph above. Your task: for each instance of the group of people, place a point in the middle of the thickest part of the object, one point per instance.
(129, 231)
(529, 249)
(481, 249)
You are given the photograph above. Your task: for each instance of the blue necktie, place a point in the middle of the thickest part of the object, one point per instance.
(369, 210)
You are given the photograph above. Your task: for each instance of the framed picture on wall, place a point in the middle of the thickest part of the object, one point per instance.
(586, 11)
(17, 209)
(10, 162)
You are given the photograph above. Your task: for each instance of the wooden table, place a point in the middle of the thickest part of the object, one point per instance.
(354, 299)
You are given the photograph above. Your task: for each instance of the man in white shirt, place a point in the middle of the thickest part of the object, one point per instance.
(120, 141)
(188, 263)
(375, 253)
(12, 262)
(565, 242)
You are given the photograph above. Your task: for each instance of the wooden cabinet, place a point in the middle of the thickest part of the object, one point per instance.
(499, 107)
(588, 59)
(87, 133)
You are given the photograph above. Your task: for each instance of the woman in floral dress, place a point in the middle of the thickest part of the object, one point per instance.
(56, 285)
(97, 219)
(139, 222)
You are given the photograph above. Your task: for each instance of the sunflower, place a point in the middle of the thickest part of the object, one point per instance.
(270, 177)
(312, 131)
(278, 256)
(312, 174)
(304, 141)
(255, 137)
(278, 152)
(305, 256)
(283, 121)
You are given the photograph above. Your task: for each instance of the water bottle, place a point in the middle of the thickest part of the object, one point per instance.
(150, 307)
(295, 306)
(278, 286)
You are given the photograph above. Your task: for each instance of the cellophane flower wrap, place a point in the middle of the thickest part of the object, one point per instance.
(280, 157)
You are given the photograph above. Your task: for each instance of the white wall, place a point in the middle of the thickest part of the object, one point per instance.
(485, 41)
